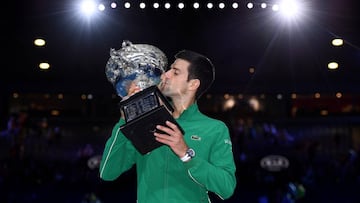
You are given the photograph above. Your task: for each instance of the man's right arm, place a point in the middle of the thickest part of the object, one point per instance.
(119, 154)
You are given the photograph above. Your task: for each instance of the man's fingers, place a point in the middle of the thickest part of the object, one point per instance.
(164, 129)
(172, 126)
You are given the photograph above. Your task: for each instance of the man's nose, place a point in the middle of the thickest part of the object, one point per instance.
(166, 74)
(162, 76)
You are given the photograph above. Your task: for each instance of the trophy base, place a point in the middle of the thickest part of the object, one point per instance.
(141, 131)
(142, 102)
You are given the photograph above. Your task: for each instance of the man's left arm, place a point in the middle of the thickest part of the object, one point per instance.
(218, 174)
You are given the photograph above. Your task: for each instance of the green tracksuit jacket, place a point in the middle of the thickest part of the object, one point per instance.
(162, 177)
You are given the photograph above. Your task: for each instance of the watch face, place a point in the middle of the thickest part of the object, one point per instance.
(191, 152)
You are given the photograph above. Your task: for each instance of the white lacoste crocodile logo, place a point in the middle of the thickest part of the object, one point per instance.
(195, 137)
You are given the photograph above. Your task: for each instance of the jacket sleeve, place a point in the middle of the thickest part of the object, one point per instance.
(118, 156)
(218, 173)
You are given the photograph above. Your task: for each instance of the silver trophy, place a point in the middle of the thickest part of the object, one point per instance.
(139, 63)
(143, 65)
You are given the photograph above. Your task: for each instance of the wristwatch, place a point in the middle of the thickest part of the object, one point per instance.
(190, 153)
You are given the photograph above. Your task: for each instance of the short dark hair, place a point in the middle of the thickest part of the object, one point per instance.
(200, 68)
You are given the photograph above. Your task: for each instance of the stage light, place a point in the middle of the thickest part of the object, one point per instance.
(44, 66)
(156, 5)
(337, 42)
(250, 5)
(324, 112)
(88, 7)
(338, 95)
(142, 5)
(221, 5)
(167, 5)
(209, 5)
(251, 70)
(254, 103)
(181, 5)
(127, 5)
(101, 7)
(15, 95)
(229, 103)
(263, 5)
(39, 42)
(275, 7)
(196, 5)
(235, 5)
(333, 65)
(289, 8)
(113, 5)
(55, 112)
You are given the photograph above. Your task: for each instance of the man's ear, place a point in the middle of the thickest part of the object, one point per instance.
(194, 84)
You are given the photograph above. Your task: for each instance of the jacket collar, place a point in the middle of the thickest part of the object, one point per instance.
(190, 111)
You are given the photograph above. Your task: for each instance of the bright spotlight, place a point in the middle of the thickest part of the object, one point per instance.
(181, 5)
(235, 5)
(275, 7)
(127, 5)
(337, 42)
(250, 5)
(113, 5)
(263, 5)
(196, 5)
(39, 42)
(156, 5)
(167, 5)
(221, 5)
(88, 7)
(101, 7)
(289, 8)
(44, 66)
(210, 5)
(142, 5)
(333, 65)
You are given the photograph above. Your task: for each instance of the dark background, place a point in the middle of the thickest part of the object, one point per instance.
(287, 56)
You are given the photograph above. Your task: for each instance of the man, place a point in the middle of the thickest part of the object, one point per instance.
(188, 165)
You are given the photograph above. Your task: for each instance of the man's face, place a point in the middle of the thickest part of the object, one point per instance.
(174, 81)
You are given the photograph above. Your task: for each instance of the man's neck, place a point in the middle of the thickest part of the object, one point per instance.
(180, 105)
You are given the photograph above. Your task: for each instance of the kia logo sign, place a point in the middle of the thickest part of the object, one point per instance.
(274, 163)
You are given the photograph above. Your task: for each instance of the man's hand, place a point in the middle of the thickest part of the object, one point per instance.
(133, 89)
(173, 138)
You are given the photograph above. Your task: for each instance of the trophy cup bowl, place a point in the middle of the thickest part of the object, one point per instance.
(139, 63)
(143, 65)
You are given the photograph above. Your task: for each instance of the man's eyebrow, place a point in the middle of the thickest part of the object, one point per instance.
(174, 68)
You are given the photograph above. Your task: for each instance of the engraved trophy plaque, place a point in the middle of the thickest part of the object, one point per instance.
(143, 65)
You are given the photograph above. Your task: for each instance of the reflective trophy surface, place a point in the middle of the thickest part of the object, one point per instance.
(143, 65)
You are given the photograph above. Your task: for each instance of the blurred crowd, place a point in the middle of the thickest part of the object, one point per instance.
(44, 161)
